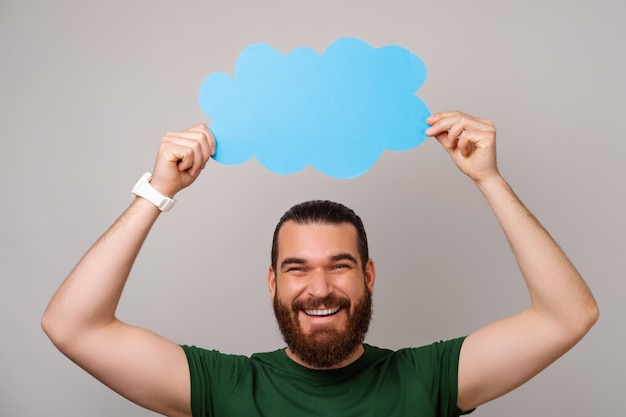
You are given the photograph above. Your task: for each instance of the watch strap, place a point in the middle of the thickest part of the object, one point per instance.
(144, 190)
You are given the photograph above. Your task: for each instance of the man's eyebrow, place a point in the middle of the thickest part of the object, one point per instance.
(300, 261)
(288, 261)
(343, 257)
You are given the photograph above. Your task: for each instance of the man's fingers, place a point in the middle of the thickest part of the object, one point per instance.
(455, 121)
(201, 133)
(435, 117)
(188, 153)
(465, 141)
(199, 140)
(465, 144)
(209, 139)
(442, 138)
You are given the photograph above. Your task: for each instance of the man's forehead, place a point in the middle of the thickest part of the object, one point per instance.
(293, 236)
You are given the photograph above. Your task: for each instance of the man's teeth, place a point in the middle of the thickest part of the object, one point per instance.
(325, 312)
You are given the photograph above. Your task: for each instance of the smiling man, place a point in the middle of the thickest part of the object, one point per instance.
(321, 284)
(321, 281)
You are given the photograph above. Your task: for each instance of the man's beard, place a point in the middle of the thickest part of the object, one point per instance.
(324, 348)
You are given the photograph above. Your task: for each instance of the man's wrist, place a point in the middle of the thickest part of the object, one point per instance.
(493, 186)
(144, 190)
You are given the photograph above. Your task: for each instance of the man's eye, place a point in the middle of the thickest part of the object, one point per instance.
(295, 269)
(342, 266)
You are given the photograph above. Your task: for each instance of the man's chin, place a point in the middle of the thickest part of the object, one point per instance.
(327, 336)
(323, 349)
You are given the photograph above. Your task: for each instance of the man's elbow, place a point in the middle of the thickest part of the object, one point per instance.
(592, 316)
(48, 326)
(56, 330)
(586, 317)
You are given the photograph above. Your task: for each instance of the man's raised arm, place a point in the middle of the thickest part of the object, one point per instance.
(80, 319)
(504, 354)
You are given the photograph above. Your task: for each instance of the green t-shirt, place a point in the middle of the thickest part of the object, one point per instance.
(420, 382)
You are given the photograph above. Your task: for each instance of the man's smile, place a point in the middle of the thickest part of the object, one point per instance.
(324, 312)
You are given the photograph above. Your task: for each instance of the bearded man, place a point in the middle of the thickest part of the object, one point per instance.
(322, 325)
(321, 281)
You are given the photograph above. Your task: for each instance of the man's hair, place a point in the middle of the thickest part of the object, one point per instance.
(322, 212)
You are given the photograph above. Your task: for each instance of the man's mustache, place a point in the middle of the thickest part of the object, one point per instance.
(313, 303)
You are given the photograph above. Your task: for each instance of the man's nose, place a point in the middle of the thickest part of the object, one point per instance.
(319, 284)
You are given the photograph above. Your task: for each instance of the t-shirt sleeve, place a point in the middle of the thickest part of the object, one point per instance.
(438, 367)
(214, 376)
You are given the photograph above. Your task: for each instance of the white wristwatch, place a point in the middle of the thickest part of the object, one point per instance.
(143, 189)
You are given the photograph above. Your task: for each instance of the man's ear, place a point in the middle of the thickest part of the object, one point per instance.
(370, 275)
(271, 283)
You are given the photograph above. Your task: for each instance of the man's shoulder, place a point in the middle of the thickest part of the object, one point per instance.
(271, 356)
(443, 347)
(419, 347)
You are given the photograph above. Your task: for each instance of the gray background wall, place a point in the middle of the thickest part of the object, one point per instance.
(88, 88)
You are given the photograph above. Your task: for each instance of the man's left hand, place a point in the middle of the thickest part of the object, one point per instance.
(470, 142)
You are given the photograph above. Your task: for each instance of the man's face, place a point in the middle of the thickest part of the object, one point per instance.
(320, 292)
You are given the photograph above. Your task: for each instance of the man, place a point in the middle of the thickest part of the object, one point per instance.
(320, 280)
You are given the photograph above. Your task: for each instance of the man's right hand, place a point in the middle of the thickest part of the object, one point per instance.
(181, 157)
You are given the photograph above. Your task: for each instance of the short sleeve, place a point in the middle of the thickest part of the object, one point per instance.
(437, 366)
(214, 376)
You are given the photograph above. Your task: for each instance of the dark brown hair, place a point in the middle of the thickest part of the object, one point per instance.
(324, 212)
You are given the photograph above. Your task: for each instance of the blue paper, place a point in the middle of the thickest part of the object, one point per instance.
(336, 112)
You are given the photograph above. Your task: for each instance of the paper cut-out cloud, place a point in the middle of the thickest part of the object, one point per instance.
(336, 112)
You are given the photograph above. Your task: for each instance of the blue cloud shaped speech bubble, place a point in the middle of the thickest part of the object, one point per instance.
(336, 112)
